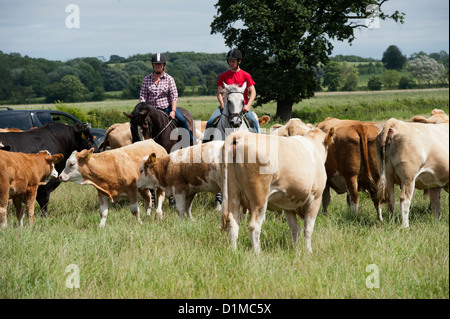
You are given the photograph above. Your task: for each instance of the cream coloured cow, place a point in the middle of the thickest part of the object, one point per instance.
(293, 127)
(114, 174)
(20, 176)
(263, 172)
(116, 136)
(184, 173)
(412, 155)
(437, 116)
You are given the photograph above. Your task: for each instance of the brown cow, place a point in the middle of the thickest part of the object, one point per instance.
(114, 174)
(184, 173)
(351, 161)
(20, 176)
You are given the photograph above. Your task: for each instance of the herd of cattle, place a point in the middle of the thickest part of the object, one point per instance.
(291, 169)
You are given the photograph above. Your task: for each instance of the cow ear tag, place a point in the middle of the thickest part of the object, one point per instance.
(153, 158)
(83, 136)
(89, 155)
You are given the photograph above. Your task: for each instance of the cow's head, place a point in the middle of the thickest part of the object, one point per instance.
(84, 138)
(147, 173)
(71, 172)
(51, 161)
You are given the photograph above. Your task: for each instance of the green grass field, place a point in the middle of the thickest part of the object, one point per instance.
(182, 259)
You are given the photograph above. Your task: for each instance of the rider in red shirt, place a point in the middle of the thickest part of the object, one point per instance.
(236, 76)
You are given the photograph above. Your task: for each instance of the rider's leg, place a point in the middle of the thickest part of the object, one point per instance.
(182, 121)
(254, 120)
(211, 119)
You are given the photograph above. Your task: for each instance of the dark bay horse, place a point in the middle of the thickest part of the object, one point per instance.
(148, 122)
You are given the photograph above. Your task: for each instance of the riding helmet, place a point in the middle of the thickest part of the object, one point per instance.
(234, 54)
(158, 58)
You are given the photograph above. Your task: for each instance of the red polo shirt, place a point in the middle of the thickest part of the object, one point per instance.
(239, 77)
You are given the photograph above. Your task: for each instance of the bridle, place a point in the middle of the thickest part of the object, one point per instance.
(231, 116)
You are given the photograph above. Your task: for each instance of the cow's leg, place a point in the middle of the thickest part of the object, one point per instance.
(20, 213)
(147, 199)
(43, 197)
(29, 205)
(258, 215)
(180, 202)
(378, 207)
(160, 195)
(134, 204)
(233, 218)
(188, 204)
(310, 219)
(352, 191)
(325, 200)
(391, 195)
(293, 225)
(3, 209)
(435, 200)
(104, 206)
(407, 192)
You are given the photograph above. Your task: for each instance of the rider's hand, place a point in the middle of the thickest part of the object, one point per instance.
(172, 115)
(246, 109)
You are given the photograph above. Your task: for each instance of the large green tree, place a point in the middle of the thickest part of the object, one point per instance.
(282, 40)
(393, 59)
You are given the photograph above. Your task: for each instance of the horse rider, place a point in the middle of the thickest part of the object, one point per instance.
(159, 89)
(236, 76)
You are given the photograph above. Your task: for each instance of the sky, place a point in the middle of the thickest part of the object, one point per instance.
(43, 28)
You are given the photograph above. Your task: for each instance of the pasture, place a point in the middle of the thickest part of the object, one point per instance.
(354, 256)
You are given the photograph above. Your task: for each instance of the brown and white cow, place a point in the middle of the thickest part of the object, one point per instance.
(351, 161)
(116, 136)
(114, 174)
(20, 176)
(184, 173)
(263, 172)
(412, 155)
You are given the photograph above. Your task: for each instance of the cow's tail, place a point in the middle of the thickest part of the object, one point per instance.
(228, 155)
(102, 147)
(364, 138)
(382, 143)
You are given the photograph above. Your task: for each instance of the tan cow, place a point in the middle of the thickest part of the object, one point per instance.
(412, 155)
(351, 162)
(293, 127)
(114, 174)
(20, 176)
(184, 173)
(437, 116)
(116, 136)
(263, 172)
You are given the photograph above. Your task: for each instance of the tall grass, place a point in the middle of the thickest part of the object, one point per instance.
(180, 259)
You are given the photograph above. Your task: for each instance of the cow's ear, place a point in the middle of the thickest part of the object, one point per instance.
(152, 158)
(89, 154)
(57, 157)
(330, 137)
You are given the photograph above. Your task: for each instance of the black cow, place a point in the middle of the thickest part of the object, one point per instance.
(55, 138)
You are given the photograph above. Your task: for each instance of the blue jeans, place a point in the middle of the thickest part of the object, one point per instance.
(249, 116)
(182, 121)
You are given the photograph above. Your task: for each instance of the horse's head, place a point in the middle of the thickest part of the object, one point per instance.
(234, 104)
(140, 122)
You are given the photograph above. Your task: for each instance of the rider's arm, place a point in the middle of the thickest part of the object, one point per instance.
(252, 97)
